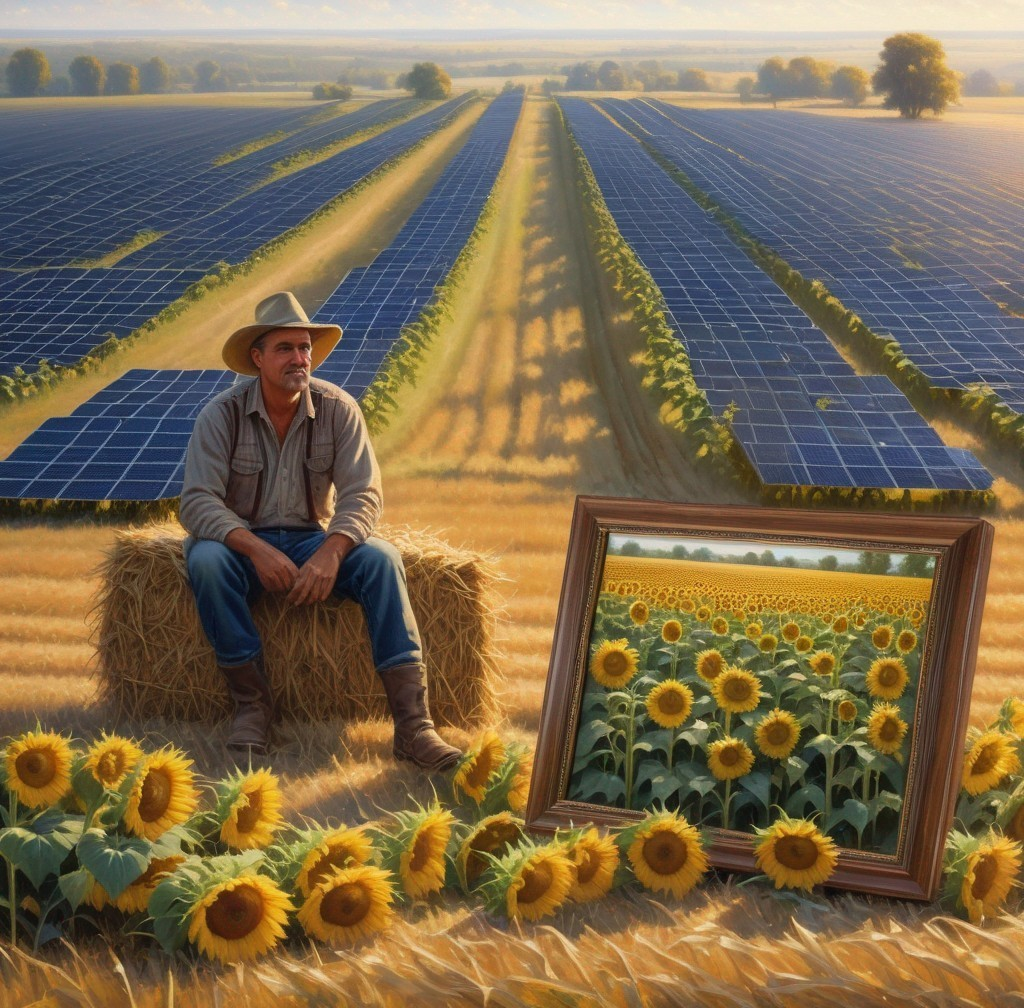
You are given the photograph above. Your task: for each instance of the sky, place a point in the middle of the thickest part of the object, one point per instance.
(610, 15)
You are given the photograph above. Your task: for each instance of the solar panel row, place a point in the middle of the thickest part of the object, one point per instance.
(803, 417)
(920, 249)
(128, 442)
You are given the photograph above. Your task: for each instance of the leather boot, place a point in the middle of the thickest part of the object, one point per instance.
(415, 738)
(254, 707)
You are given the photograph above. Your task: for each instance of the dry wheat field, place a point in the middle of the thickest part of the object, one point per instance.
(532, 397)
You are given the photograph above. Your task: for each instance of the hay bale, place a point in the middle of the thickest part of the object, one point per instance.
(154, 660)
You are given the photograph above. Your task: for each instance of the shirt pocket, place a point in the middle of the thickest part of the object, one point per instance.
(245, 484)
(320, 472)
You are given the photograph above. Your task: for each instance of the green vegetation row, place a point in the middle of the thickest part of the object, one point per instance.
(684, 406)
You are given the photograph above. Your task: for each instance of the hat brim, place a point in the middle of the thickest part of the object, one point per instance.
(236, 349)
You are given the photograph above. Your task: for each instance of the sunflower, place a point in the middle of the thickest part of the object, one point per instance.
(239, 919)
(768, 643)
(671, 631)
(822, 663)
(595, 859)
(886, 729)
(991, 873)
(1014, 709)
(847, 710)
(666, 854)
(881, 636)
(794, 853)
(639, 612)
(906, 641)
(840, 625)
(887, 678)
(688, 605)
(339, 848)
(614, 663)
(162, 796)
(135, 898)
(710, 665)
(536, 881)
(790, 631)
(669, 703)
(348, 904)
(38, 766)
(777, 734)
(421, 865)
(803, 643)
(736, 690)
(111, 759)
(754, 630)
(730, 758)
(475, 768)
(250, 810)
(519, 792)
(987, 762)
(720, 625)
(491, 836)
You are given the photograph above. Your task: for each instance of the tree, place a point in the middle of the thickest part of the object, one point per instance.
(771, 79)
(122, 79)
(745, 87)
(611, 77)
(581, 77)
(913, 75)
(768, 559)
(851, 84)
(873, 562)
(694, 80)
(87, 75)
(28, 72)
(982, 84)
(154, 76)
(630, 548)
(428, 80)
(209, 77)
(830, 562)
(916, 565)
(808, 78)
(331, 92)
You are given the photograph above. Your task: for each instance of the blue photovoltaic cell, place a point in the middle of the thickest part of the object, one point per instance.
(920, 232)
(128, 442)
(801, 415)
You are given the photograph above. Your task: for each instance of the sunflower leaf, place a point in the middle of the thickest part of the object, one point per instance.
(75, 886)
(40, 848)
(811, 795)
(115, 861)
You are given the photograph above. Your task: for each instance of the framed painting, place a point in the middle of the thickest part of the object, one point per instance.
(731, 662)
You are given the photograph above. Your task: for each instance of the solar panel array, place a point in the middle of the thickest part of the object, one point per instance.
(154, 172)
(128, 442)
(375, 302)
(920, 232)
(71, 311)
(804, 417)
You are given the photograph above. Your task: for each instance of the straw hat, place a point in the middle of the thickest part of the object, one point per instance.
(279, 311)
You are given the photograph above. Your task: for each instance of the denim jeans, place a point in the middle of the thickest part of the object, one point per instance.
(225, 585)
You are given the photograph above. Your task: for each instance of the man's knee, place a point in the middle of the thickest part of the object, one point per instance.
(208, 560)
(377, 558)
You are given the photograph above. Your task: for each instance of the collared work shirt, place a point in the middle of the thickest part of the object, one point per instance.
(239, 475)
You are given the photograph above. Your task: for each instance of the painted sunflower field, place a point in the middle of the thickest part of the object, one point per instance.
(725, 692)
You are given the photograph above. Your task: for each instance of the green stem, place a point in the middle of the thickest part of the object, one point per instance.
(12, 895)
(675, 661)
(671, 747)
(725, 804)
(829, 765)
(630, 739)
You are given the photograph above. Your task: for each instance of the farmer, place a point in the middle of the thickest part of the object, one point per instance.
(264, 461)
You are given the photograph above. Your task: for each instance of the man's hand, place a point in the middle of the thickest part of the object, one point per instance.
(276, 572)
(317, 575)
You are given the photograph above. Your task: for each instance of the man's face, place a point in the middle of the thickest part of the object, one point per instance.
(284, 361)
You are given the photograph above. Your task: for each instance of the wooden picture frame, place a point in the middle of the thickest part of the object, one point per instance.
(906, 763)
